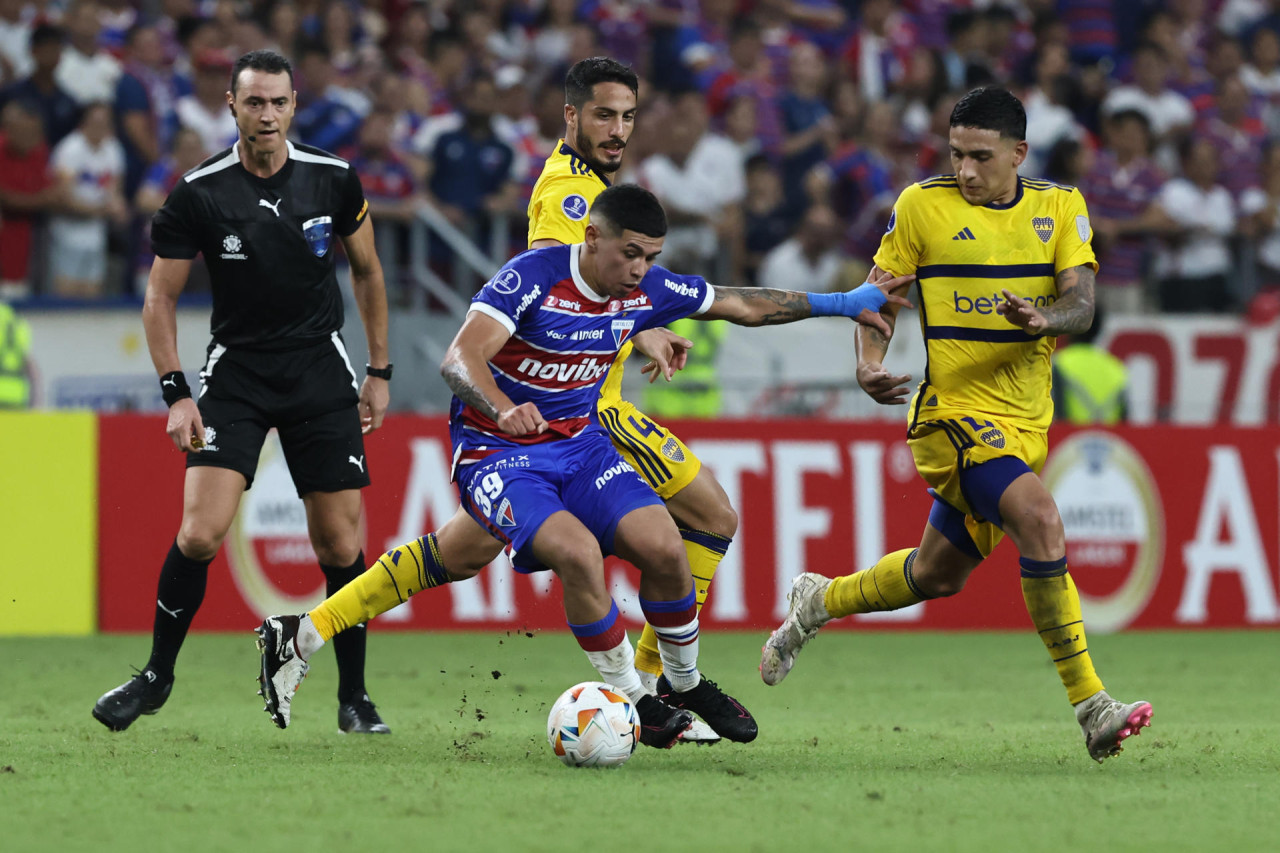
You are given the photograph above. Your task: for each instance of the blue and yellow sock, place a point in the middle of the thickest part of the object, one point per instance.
(398, 574)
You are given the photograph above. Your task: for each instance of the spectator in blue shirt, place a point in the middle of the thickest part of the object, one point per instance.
(59, 112)
(332, 115)
(146, 96)
(471, 173)
(809, 131)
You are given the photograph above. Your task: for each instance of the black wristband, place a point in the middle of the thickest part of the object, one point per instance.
(173, 387)
(379, 372)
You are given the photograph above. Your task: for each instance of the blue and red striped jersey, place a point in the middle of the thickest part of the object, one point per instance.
(564, 336)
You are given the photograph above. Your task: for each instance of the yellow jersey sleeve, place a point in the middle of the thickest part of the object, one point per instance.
(1075, 242)
(901, 246)
(559, 205)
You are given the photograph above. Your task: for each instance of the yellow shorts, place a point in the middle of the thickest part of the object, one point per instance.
(943, 448)
(653, 450)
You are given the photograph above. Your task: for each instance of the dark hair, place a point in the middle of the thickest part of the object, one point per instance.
(580, 82)
(1121, 116)
(440, 40)
(189, 25)
(992, 108)
(267, 61)
(960, 22)
(1151, 47)
(760, 162)
(131, 35)
(45, 33)
(629, 207)
(743, 28)
(1058, 166)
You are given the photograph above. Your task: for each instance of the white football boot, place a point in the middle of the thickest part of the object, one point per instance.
(1106, 722)
(806, 614)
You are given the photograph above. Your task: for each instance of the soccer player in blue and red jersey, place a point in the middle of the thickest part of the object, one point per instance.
(535, 468)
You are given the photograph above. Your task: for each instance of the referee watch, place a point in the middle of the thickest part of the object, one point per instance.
(379, 372)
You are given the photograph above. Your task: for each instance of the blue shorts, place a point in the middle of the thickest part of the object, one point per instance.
(511, 494)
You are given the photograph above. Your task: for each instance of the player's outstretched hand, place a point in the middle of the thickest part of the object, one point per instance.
(524, 419)
(185, 427)
(881, 385)
(891, 287)
(1021, 313)
(667, 351)
(375, 396)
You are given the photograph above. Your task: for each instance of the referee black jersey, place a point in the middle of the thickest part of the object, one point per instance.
(268, 243)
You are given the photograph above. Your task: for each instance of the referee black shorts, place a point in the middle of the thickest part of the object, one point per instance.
(309, 395)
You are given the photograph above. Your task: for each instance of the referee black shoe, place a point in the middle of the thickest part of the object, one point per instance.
(720, 711)
(145, 693)
(660, 724)
(360, 716)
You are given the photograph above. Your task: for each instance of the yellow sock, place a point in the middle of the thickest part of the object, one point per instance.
(1054, 606)
(705, 551)
(888, 585)
(398, 574)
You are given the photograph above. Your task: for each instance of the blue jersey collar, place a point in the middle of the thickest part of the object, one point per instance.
(1017, 197)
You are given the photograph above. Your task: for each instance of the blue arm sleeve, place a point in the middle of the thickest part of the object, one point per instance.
(848, 304)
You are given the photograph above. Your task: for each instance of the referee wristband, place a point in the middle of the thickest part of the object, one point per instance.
(173, 387)
(849, 304)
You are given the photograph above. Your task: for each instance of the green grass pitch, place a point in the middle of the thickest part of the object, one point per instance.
(915, 742)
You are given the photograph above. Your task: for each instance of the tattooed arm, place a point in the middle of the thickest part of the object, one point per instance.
(757, 306)
(763, 306)
(1071, 313)
(466, 370)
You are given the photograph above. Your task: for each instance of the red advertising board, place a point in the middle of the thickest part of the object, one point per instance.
(1167, 527)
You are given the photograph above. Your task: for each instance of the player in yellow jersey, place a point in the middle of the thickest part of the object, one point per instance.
(1004, 265)
(600, 108)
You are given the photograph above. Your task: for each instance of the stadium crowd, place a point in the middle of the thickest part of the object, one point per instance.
(776, 132)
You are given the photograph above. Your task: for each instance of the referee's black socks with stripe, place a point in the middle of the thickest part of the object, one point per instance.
(348, 646)
(178, 597)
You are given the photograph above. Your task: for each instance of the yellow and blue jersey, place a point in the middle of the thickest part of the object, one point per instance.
(963, 255)
(562, 196)
(558, 211)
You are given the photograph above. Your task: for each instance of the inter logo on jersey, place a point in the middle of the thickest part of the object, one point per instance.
(1044, 227)
(621, 331)
(574, 207)
(319, 232)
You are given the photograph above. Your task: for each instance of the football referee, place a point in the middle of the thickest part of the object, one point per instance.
(264, 213)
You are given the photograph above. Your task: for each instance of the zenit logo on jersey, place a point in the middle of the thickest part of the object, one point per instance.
(564, 337)
(574, 207)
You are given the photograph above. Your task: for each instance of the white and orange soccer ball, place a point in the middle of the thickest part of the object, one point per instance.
(593, 724)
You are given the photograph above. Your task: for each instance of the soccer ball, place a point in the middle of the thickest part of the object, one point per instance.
(593, 724)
